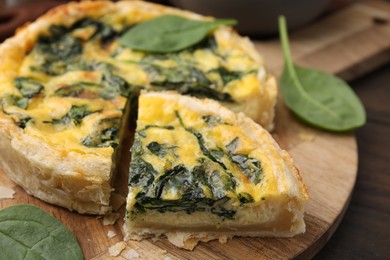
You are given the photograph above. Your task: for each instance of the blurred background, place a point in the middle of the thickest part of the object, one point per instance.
(249, 13)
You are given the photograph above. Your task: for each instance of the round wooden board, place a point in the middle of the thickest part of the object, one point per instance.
(328, 164)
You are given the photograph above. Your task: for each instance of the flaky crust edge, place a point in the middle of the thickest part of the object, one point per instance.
(40, 169)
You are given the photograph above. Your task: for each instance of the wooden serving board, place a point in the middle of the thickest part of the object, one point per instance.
(348, 43)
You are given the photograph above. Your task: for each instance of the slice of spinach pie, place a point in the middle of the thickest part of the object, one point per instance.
(201, 172)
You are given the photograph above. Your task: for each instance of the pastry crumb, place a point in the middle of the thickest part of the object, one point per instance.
(222, 239)
(306, 137)
(110, 219)
(111, 234)
(6, 193)
(116, 249)
(131, 254)
(161, 251)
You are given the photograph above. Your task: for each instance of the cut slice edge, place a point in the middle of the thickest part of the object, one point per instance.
(279, 214)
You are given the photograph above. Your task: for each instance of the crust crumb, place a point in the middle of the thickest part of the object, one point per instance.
(111, 234)
(306, 137)
(131, 254)
(110, 219)
(223, 239)
(116, 249)
(6, 193)
(161, 251)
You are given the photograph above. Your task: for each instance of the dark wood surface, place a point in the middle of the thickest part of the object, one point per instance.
(364, 232)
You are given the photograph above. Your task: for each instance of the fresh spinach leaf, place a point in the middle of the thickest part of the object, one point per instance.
(320, 99)
(169, 33)
(27, 232)
(28, 87)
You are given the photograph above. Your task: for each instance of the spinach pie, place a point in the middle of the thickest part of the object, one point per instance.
(65, 82)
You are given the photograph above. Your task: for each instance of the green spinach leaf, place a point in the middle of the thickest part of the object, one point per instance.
(227, 75)
(105, 134)
(187, 80)
(142, 132)
(114, 85)
(28, 87)
(159, 149)
(191, 187)
(58, 51)
(103, 31)
(12, 100)
(27, 232)
(80, 90)
(201, 142)
(211, 120)
(169, 33)
(22, 122)
(142, 173)
(245, 198)
(75, 115)
(320, 99)
(250, 166)
(196, 204)
(232, 146)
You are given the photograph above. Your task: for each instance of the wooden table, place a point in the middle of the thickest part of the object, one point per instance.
(364, 233)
